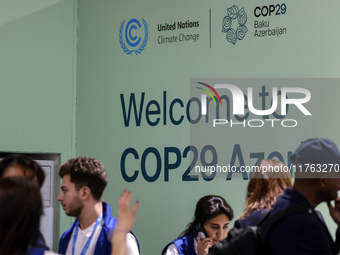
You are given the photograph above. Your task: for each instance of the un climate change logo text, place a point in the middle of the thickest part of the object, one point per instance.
(232, 14)
(131, 39)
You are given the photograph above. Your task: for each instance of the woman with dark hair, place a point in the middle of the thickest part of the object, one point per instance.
(24, 167)
(21, 207)
(208, 227)
(265, 187)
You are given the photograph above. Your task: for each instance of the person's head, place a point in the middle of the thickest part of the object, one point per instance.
(22, 166)
(266, 185)
(214, 214)
(21, 208)
(317, 163)
(83, 179)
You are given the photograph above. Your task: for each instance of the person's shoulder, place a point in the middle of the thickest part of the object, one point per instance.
(299, 226)
(106, 210)
(132, 244)
(305, 215)
(257, 215)
(253, 219)
(282, 203)
(304, 233)
(297, 219)
(38, 251)
(183, 243)
(41, 242)
(110, 222)
(50, 253)
(168, 249)
(291, 198)
(171, 250)
(172, 244)
(293, 223)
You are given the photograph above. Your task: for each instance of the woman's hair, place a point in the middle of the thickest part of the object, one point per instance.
(266, 185)
(208, 207)
(21, 207)
(30, 168)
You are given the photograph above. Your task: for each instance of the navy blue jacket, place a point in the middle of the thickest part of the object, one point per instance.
(253, 219)
(185, 245)
(299, 233)
(33, 251)
(41, 242)
(38, 249)
(103, 246)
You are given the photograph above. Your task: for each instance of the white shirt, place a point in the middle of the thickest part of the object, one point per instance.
(50, 253)
(84, 235)
(172, 249)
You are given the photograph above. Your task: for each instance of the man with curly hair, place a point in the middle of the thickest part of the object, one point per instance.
(83, 182)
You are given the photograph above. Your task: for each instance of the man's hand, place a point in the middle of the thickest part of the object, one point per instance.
(334, 211)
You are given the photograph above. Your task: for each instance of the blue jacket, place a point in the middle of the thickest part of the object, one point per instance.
(299, 233)
(103, 246)
(185, 245)
(253, 219)
(39, 248)
(33, 251)
(41, 242)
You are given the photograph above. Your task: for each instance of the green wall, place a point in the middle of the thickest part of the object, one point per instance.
(37, 78)
(105, 72)
(63, 73)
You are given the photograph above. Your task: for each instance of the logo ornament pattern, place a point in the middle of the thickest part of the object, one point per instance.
(233, 13)
(133, 24)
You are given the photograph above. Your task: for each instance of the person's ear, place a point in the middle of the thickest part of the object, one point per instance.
(323, 182)
(84, 193)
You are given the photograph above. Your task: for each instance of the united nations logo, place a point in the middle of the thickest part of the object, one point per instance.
(234, 13)
(133, 41)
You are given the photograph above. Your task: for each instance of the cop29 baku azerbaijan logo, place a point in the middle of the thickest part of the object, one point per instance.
(234, 13)
(133, 40)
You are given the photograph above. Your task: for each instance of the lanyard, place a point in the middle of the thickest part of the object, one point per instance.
(100, 217)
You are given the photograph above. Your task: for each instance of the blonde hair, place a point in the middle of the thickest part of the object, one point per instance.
(266, 187)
